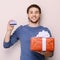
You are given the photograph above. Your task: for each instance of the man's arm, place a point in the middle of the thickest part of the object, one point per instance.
(7, 35)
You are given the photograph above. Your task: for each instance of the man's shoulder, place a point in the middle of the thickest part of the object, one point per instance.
(44, 27)
(21, 26)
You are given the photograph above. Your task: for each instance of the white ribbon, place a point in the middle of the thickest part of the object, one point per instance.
(43, 44)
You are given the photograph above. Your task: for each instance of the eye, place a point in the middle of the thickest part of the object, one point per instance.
(36, 12)
(31, 12)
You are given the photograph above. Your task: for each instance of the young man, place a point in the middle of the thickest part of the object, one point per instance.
(24, 33)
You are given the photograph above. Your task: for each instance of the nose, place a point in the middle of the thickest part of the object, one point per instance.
(34, 14)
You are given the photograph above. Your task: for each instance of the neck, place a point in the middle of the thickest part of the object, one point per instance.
(34, 24)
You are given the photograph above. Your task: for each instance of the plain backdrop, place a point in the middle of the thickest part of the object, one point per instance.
(16, 9)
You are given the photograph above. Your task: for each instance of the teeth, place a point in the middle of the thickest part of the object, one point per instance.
(33, 17)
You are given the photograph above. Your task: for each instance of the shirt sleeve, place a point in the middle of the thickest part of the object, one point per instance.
(13, 38)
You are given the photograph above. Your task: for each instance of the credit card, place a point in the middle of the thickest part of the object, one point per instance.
(13, 22)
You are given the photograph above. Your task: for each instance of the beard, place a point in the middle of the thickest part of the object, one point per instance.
(34, 21)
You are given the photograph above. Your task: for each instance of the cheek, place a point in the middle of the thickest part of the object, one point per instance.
(30, 15)
(38, 15)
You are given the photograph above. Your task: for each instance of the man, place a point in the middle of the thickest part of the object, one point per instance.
(24, 33)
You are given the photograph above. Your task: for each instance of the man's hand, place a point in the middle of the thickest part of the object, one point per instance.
(47, 54)
(10, 27)
(8, 33)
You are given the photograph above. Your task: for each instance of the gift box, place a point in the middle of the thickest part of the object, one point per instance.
(42, 44)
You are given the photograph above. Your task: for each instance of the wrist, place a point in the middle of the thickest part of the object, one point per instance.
(8, 32)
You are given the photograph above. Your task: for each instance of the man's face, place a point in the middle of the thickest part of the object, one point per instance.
(34, 15)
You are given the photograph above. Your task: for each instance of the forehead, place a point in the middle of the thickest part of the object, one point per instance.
(33, 9)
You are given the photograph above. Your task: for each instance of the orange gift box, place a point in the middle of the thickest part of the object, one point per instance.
(42, 44)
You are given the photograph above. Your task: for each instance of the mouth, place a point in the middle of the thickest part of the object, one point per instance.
(34, 17)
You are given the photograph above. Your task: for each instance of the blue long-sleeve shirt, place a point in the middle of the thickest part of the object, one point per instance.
(24, 33)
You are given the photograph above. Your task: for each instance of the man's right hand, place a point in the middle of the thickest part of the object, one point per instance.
(10, 27)
(8, 33)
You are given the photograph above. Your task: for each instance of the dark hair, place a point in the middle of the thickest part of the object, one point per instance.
(34, 5)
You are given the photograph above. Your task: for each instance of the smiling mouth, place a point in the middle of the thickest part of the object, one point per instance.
(34, 17)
